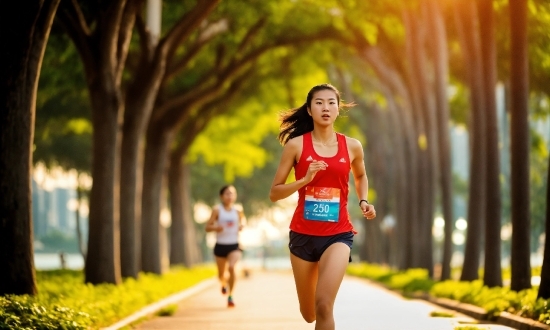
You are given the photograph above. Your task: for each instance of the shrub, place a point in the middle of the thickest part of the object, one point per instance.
(167, 311)
(412, 280)
(373, 272)
(21, 312)
(64, 301)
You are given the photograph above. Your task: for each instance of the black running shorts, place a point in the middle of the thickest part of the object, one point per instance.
(223, 250)
(311, 248)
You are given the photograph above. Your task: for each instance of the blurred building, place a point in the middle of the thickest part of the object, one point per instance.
(55, 207)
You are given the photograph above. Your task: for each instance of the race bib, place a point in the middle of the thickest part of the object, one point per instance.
(322, 204)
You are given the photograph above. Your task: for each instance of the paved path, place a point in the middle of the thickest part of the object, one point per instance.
(267, 301)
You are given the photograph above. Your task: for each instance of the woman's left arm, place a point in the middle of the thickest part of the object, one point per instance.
(242, 219)
(360, 177)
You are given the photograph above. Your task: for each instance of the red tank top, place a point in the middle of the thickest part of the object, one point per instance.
(322, 203)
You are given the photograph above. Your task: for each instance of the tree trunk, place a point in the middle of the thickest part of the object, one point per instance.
(192, 248)
(430, 120)
(402, 186)
(375, 159)
(544, 288)
(418, 190)
(103, 49)
(396, 85)
(141, 96)
(26, 27)
(492, 275)
(425, 122)
(139, 106)
(177, 230)
(465, 15)
(183, 243)
(519, 119)
(440, 58)
(103, 256)
(412, 166)
(130, 193)
(153, 257)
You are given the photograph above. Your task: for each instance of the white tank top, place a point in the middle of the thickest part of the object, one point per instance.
(230, 222)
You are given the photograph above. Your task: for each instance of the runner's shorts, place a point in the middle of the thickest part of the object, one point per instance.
(310, 248)
(222, 250)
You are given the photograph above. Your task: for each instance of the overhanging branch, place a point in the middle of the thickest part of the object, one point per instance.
(186, 25)
(71, 17)
(110, 20)
(166, 109)
(206, 35)
(195, 125)
(124, 35)
(251, 33)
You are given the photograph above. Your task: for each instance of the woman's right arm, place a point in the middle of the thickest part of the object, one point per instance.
(279, 188)
(211, 224)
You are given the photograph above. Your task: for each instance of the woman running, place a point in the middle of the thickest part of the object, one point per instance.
(321, 233)
(226, 220)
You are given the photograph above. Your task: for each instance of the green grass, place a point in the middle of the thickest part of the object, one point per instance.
(65, 302)
(167, 311)
(442, 314)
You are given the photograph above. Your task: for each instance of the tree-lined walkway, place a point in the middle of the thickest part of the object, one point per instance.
(267, 300)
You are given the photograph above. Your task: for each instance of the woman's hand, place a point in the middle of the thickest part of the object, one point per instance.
(314, 167)
(368, 210)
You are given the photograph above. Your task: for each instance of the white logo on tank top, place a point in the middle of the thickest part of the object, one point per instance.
(342, 160)
(309, 159)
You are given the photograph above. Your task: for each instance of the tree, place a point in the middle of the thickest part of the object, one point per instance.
(376, 162)
(101, 34)
(183, 247)
(423, 109)
(441, 70)
(396, 92)
(465, 17)
(26, 27)
(141, 94)
(492, 275)
(544, 288)
(519, 119)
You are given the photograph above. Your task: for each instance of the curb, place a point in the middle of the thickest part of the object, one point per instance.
(154, 307)
(519, 322)
(478, 313)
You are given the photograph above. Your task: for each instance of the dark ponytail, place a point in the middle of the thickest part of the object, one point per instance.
(297, 121)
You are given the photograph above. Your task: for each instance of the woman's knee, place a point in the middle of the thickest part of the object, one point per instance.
(231, 269)
(323, 308)
(308, 314)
